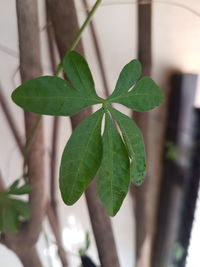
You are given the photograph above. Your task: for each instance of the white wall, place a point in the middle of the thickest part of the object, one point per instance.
(176, 45)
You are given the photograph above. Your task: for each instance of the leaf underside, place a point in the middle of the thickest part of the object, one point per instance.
(81, 158)
(135, 145)
(114, 176)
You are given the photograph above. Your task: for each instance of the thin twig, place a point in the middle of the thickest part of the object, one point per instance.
(46, 238)
(57, 234)
(53, 163)
(97, 50)
(144, 2)
(51, 44)
(10, 119)
(8, 51)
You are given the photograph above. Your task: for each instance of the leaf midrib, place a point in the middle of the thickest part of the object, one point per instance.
(37, 98)
(130, 94)
(111, 164)
(81, 80)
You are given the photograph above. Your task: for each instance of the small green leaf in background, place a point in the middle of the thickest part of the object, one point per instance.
(12, 212)
(15, 189)
(10, 218)
(135, 145)
(82, 251)
(51, 95)
(145, 96)
(114, 175)
(81, 158)
(127, 78)
(173, 151)
(14, 185)
(22, 208)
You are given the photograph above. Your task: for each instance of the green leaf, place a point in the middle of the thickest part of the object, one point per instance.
(25, 189)
(14, 185)
(79, 73)
(22, 208)
(114, 174)
(127, 78)
(84, 249)
(10, 218)
(135, 145)
(81, 158)
(145, 96)
(52, 96)
(12, 212)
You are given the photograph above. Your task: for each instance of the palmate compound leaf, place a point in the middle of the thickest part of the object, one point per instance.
(114, 173)
(145, 96)
(82, 155)
(81, 158)
(127, 78)
(135, 145)
(50, 95)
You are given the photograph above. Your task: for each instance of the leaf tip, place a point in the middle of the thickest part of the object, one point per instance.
(14, 95)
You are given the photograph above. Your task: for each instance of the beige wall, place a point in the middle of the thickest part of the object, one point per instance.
(176, 45)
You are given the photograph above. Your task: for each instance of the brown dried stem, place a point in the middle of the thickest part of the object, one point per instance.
(64, 11)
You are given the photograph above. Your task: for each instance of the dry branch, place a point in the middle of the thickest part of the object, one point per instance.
(146, 197)
(10, 119)
(140, 194)
(55, 128)
(30, 67)
(53, 221)
(65, 26)
(52, 212)
(23, 242)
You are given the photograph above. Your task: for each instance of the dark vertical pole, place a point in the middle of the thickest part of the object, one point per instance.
(179, 134)
(191, 189)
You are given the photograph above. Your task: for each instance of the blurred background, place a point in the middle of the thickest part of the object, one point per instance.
(159, 222)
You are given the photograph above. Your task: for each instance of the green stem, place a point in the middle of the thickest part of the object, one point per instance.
(79, 33)
(87, 21)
